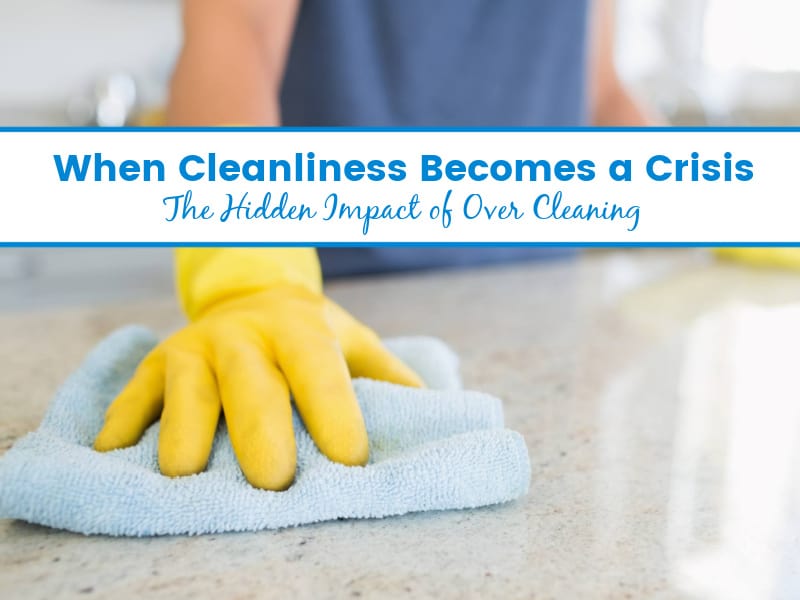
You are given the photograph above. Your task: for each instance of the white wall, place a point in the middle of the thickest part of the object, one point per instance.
(53, 50)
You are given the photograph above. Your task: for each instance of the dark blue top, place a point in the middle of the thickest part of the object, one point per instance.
(460, 63)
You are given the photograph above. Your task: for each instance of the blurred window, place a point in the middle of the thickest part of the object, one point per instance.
(750, 35)
(714, 62)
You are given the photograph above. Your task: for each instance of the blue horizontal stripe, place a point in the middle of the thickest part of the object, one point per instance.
(794, 244)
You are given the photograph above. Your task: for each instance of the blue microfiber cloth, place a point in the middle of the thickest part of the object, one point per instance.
(432, 449)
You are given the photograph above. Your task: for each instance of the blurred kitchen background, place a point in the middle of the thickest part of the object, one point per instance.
(79, 62)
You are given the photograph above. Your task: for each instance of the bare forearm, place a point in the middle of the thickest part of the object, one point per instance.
(230, 68)
(612, 104)
(621, 109)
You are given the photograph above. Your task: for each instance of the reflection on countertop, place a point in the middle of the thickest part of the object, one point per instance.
(661, 422)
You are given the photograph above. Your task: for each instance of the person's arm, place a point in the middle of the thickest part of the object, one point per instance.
(611, 103)
(261, 332)
(232, 62)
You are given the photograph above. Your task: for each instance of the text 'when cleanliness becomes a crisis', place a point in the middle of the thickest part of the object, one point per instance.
(450, 206)
(307, 167)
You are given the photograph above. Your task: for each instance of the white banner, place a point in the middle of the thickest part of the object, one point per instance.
(378, 187)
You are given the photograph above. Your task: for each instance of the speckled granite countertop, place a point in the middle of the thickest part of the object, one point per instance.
(628, 500)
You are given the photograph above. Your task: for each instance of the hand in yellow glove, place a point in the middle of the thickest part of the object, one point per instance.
(243, 354)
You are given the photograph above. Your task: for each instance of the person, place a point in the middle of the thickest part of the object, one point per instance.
(261, 329)
(415, 63)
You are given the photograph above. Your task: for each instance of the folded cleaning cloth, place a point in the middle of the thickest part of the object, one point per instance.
(432, 449)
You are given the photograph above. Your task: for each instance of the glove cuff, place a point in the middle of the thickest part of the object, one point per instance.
(205, 276)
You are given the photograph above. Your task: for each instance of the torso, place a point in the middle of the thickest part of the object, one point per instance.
(435, 63)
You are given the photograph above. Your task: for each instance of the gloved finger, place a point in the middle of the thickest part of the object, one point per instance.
(785, 258)
(258, 411)
(365, 353)
(368, 357)
(136, 407)
(190, 415)
(317, 373)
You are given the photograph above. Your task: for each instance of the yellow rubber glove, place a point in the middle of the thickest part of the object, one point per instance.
(260, 328)
(785, 258)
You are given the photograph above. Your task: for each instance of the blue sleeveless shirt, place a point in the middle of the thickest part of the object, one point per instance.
(435, 63)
